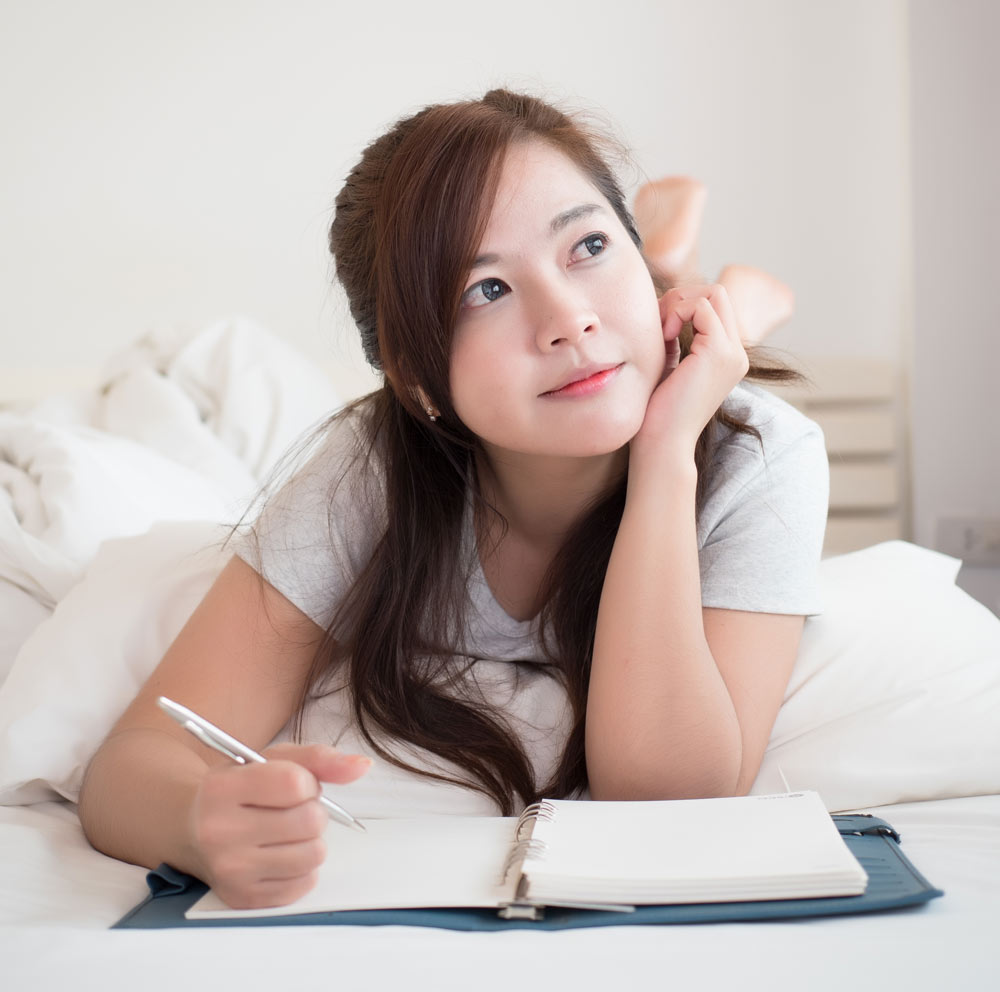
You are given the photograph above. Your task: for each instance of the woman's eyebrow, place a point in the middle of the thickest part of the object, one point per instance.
(574, 213)
(560, 221)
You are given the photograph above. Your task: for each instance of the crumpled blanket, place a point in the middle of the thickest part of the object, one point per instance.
(183, 425)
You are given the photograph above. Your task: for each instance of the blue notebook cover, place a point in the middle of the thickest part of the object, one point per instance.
(893, 883)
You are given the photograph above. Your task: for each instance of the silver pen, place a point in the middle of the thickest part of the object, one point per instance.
(213, 737)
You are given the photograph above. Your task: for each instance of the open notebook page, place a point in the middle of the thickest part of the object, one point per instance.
(397, 864)
(708, 850)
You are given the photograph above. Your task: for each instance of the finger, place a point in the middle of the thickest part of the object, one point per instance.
(671, 325)
(283, 862)
(715, 293)
(673, 356)
(265, 894)
(700, 313)
(250, 864)
(688, 292)
(723, 304)
(325, 763)
(276, 784)
(678, 306)
(265, 826)
(223, 825)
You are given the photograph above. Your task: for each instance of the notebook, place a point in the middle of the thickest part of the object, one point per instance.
(578, 854)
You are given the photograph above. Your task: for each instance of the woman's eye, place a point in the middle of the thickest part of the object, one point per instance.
(484, 292)
(591, 245)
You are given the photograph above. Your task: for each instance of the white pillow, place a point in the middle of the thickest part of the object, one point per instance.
(894, 698)
(82, 666)
(21, 613)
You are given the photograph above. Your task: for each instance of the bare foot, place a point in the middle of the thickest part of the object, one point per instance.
(668, 215)
(762, 302)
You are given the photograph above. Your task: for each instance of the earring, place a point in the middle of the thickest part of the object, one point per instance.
(425, 401)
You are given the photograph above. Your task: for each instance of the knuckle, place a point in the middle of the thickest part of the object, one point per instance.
(222, 787)
(294, 782)
(213, 829)
(315, 819)
(313, 753)
(228, 866)
(216, 784)
(278, 752)
(315, 853)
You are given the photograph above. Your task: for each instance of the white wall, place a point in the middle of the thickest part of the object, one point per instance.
(177, 161)
(956, 225)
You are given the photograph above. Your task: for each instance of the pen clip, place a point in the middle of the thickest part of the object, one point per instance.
(211, 736)
(210, 741)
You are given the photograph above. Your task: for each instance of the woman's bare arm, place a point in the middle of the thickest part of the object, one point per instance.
(681, 699)
(240, 661)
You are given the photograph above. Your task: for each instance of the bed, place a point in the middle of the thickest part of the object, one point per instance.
(115, 494)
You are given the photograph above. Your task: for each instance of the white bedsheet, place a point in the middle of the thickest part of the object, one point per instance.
(59, 897)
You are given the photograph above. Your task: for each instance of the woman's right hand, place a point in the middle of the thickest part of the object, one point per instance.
(258, 829)
(694, 387)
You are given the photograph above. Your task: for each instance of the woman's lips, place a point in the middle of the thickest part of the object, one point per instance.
(588, 385)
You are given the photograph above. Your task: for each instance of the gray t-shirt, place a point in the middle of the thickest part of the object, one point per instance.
(760, 528)
(760, 531)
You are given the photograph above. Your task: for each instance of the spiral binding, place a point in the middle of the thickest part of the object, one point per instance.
(525, 845)
(522, 850)
(543, 810)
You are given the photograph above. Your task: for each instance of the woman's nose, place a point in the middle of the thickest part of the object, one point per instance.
(563, 319)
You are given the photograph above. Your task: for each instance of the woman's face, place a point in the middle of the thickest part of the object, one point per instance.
(558, 344)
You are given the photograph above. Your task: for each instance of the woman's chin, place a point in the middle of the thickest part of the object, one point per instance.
(594, 440)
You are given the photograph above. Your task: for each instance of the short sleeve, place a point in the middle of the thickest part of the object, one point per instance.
(763, 516)
(316, 533)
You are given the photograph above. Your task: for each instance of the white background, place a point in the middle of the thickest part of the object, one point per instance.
(177, 162)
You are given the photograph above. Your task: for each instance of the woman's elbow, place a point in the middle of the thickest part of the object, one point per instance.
(714, 780)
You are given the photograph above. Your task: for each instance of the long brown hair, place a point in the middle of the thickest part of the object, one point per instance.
(408, 222)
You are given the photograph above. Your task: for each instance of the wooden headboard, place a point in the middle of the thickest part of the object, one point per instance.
(858, 403)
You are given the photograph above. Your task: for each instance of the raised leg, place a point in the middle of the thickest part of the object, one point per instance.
(762, 302)
(668, 215)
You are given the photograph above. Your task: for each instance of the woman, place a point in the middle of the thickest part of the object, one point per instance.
(563, 548)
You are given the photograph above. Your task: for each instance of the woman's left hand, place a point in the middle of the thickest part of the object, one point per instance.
(692, 389)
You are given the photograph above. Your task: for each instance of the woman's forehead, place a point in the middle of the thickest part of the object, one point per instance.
(537, 184)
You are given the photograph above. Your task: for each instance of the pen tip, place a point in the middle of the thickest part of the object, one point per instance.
(358, 825)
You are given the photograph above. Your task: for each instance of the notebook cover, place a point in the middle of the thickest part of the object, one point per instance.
(893, 883)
